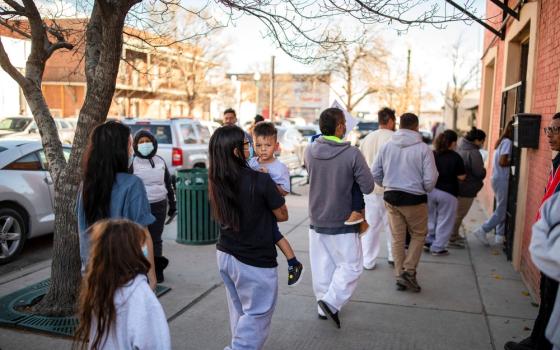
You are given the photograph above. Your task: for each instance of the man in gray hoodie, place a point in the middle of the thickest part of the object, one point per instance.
(334, 248)
(406, 168)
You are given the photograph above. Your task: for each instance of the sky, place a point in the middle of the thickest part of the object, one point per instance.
(429, 47)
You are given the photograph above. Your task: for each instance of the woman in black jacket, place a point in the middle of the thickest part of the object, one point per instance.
(469, 150)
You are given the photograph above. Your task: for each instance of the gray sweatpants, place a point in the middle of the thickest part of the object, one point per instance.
(442, 213)
(498, 218)
(251, 295)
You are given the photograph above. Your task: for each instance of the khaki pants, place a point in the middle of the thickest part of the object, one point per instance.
(463, 208)
(413, 218)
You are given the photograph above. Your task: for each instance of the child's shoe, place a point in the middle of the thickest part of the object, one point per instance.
(355, 218)
(294, 274)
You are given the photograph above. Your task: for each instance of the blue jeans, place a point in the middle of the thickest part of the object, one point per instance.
(498, 219)
(251, 294)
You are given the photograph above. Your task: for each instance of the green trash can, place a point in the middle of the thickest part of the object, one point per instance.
(194, 223)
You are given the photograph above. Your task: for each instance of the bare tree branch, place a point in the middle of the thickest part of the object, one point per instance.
(7, 65)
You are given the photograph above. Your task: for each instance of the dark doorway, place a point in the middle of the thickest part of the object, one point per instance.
(513, 102)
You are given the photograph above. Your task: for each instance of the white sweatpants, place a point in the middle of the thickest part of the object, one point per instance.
(336, 266)
(376, 216)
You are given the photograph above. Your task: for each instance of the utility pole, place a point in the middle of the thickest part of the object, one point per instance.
(271, 102)
(407, 83)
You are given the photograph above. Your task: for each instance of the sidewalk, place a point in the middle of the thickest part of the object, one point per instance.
(471, 299)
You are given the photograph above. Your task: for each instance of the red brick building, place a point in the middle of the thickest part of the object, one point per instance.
(152, 76)
(521, 74)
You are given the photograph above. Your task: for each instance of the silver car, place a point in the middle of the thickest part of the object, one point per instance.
(22, 127)
(26, 195)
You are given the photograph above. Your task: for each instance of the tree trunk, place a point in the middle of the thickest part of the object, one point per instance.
(65, 268)
(103, 52)
(455, 116)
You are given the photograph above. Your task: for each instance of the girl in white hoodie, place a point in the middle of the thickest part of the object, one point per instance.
(117, 308)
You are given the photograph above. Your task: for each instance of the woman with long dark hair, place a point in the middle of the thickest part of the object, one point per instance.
(247, 205)
(108, 190)
(469, 150)
(442, 201)
(500, 183)
(117, 309)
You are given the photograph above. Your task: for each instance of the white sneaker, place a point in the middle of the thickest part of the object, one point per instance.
(499, 239)
(371, 267)
(481, 236)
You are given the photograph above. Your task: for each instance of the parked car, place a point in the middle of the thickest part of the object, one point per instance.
(292, 146)
(16, 126)
(361, 130)
(211, 126)
(25, 128)
(308, 131)
(26, 195)
(182, 142)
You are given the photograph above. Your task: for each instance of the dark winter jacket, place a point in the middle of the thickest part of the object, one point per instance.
(474, 166)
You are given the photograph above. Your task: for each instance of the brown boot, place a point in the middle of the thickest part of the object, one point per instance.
(355, 218)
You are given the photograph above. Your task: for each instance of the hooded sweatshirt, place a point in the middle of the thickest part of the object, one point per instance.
(544, 248)
(406, 164)
(474, 166)
(140, 322)
(333, 168)
(153, 172)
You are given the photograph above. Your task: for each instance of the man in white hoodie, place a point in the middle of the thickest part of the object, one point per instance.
(406, 168)
(544, 248)
(376, 213)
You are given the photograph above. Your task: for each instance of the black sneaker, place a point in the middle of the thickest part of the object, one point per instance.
(294, 274)
(412, 283)
(458, 244)
(401, 284)
(525, 344)
(332, 315)
(441, 253)
(391, 262)
(427, 247)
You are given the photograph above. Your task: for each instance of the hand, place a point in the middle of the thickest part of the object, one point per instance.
(264, 170)
(171, 212)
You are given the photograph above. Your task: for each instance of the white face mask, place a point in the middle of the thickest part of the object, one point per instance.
(145, 148)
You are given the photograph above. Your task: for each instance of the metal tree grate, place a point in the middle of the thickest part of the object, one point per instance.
(62, 326)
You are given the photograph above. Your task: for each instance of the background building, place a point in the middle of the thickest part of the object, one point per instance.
(295, 95)
(155, 76)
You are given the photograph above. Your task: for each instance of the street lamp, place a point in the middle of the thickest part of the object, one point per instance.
(257, 78)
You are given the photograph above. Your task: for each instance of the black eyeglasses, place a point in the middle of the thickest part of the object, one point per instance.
(552, 130)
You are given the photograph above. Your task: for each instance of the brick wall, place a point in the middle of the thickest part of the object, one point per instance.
(544, 101)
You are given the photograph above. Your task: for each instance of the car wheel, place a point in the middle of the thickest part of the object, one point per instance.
(12, 234)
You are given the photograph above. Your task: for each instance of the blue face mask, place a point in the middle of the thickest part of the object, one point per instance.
(145, 250)
(251, 151)
(145, 148)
